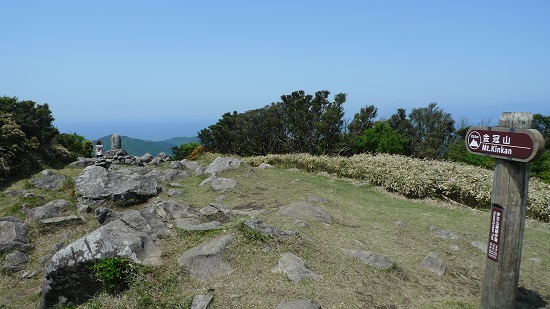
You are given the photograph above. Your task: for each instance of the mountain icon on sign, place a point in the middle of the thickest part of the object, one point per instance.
(474, 144)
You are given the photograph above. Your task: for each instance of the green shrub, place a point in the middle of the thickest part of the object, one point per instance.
(183, 151)
(115, 273)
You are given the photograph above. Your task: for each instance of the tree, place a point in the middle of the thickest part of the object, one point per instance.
(432, 130)
(363, 120)
(381, 138)
(76, 144)
(299, 123)
(183, 151)
(312, 124)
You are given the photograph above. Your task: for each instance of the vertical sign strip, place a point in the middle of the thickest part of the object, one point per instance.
(494, 234)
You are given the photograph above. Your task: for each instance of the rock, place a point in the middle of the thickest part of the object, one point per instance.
(221, 184)
(299, 304)
(443, 234)
(14, 236)
(16, 261)
(264, 166)
(215, 210)
(50, 210)
(315, 199)
(116, 142)
(48, 180)
(175, 192)
(171, 210)
(370, 258)
(190, 165)
(83, 208)
(191, 224)
(258, 225)
(62, 220)
(221, 164)
(433, 263)
(305, 211)
(482, 246)
(201, 301)
(173, 175)
(67, 274)
(83, 162)
(294, 268)
(106, 215)
(122, 188)
(206, 261)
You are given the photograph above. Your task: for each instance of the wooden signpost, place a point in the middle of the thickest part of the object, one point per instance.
(514, 145)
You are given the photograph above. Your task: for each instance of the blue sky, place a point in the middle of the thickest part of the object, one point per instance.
(159, 69)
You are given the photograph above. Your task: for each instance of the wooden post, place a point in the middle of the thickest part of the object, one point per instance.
(508, 208)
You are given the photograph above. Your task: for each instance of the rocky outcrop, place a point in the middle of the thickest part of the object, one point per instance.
(14, 235)
(305, 211)
(206, 261)
(49, 210)
(131, 236)
(48, 180)
(222, 164)
(294, 268)
(98, 185)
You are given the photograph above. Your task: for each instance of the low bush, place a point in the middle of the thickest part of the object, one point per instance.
(416, 178)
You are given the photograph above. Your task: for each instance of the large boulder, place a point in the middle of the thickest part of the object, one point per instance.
(221, 164)
(50, 210)
(206, 261)
(48, 180)
(14, 235)
(122, 188)
(68, 276)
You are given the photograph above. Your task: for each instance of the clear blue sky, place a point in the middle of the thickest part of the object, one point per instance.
(159, 69)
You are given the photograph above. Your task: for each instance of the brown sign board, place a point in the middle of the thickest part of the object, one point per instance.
(523, 145)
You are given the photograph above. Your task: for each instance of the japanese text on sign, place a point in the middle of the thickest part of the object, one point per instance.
(494, 235)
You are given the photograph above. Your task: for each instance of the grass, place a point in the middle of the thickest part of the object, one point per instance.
(364, 217)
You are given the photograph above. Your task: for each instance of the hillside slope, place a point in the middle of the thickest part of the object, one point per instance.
(362, 219)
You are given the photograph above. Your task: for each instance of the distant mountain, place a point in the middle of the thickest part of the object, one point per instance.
(139, 147)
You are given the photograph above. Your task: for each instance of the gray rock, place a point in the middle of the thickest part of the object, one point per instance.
(315, 199)
(48, 180)
(191, 224)
(171, 210)
(222, 164)
(11, 219)
(52, 209)
(443, 233)
(14, 236)
(62, 220)
(258, 225)
(99, 185)
(83, 208)
(433, 263)
(175, 192)
(190, 165)
(201, 301)
(214, 209)
(173, 175)
(371, 258)
(83, 162)
(294, 268)
(16, 261)
(482, 246)
(299, 304)
(106, 215)
(116, 142)
(206, 261)
(305, 211)
(67, 274)
(221, 184)
(264, 166)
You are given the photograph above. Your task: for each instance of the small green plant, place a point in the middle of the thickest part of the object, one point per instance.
(251, 234)
(115, 273)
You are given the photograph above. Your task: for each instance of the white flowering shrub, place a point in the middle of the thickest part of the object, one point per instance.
(416, 178)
